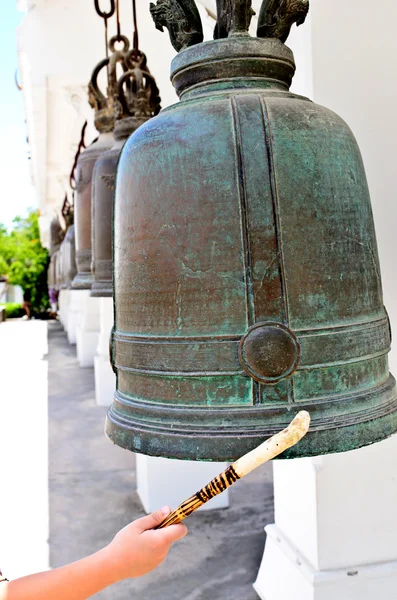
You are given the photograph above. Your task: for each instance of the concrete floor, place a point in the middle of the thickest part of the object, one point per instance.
(92, 495)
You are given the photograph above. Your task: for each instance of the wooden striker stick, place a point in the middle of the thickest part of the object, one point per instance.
(244, 465)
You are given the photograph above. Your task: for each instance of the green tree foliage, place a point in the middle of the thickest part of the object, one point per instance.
(13, 310)
(24, 261)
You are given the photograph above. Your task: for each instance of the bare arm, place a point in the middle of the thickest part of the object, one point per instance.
(136, 550)
(80, 580)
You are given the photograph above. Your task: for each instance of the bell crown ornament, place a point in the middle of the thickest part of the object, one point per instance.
(102, 101)
(276, 18)
(137, 97)
(246, 273)
(183, 22)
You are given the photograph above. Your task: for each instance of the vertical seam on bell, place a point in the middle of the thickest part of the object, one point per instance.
(276, 207)
(242, 194)
(277, 224)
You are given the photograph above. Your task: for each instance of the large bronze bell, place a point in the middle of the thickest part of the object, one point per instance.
(247, 279)
(136, 100)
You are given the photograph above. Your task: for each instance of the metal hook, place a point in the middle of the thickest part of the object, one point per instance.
(103, 14)
(122, 39)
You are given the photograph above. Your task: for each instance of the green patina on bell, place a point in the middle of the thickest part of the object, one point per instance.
(246, 274)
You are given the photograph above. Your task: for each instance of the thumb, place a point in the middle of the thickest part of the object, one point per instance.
(173, 533)
(153, 520)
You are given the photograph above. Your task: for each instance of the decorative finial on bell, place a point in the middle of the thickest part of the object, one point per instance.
(182, 20)
(276, 17)
(234, 17)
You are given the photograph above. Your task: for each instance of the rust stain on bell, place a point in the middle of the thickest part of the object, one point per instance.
(246, 273)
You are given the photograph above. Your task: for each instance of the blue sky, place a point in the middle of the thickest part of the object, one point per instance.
(17, 194)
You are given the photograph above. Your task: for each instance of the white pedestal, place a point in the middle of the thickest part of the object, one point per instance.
(105, 379)
(87, 331)
(24, 501)
(73, 316)
(336, 528)
(165, 482)
(63, 310)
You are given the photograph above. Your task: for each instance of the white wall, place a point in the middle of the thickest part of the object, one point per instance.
(59, 43)
(14, 294)
(10, 293)
(355, 74)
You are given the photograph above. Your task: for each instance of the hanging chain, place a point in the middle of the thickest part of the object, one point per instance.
(118, 20)
(135, 43)
(105, 16)
(115, 8)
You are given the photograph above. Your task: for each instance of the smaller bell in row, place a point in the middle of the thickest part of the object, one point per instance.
(68, 248)
(136, 100)
(56, 237)
(104, 123)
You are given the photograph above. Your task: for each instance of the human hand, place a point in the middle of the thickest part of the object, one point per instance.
(138, 548)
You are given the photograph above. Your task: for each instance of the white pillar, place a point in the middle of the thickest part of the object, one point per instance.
(63, 303)
(73, 315)
(162, 482)
(87, 331)
(336, 528)
(105, 379)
